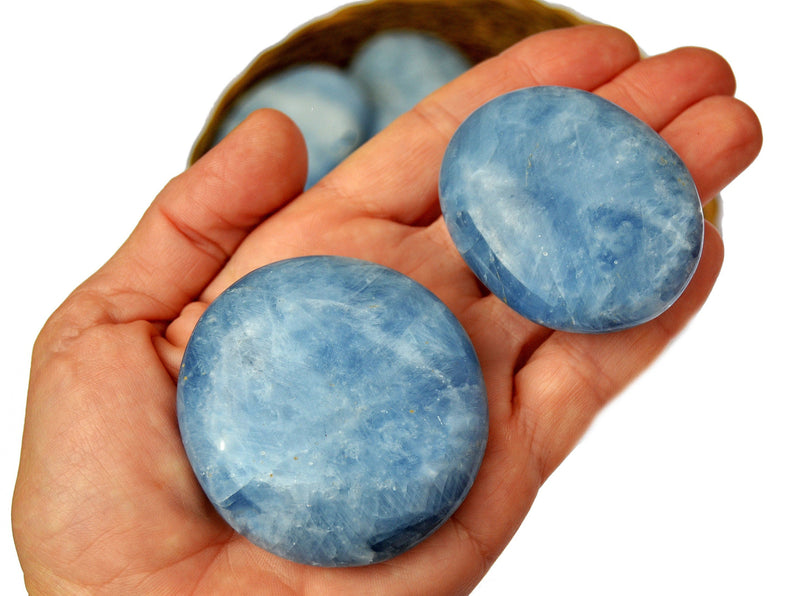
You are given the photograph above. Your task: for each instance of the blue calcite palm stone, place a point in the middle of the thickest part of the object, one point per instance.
(327, 105)
(398, 68)
(573, 211)
(333, 410)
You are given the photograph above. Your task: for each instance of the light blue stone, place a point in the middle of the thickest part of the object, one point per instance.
(333, 410)
(398, 68)
(328, 106)
(571, 210)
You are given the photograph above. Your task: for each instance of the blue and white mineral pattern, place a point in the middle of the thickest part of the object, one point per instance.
(333, 410)
(571, 210)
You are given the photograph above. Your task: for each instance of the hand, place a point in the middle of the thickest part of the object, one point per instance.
(106, 501)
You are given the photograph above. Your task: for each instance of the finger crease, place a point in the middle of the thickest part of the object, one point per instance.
(200, 241)
(432, 112)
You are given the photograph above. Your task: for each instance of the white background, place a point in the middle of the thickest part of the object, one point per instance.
(687, 484)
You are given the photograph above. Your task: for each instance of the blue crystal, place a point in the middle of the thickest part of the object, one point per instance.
(328, 106)
(333, 410)
(398, 68)
(573, 211)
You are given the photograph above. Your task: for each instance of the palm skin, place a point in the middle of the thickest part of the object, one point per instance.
(105, 500)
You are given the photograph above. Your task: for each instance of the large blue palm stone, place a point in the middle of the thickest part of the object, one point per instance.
(333, 410)
(573, 211)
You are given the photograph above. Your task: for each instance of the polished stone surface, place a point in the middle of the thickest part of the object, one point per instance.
(571, 210)
(333, 410)
(330, 109)
(398, 68)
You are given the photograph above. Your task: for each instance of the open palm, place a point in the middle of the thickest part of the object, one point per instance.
(106, 500)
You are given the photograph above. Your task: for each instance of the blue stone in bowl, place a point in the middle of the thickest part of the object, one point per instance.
(573, 211)
(328, 106)
(400, 67)
(333, 410)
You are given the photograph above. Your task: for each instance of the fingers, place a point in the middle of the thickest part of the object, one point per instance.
(717, 138)
(659, 88)
(199, 219)
(686, 94)
(395, 176)
(564, 378)
(172, 343)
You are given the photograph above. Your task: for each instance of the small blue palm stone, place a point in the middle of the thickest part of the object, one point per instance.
(327, 105)
(571, 210)
(333, 410)
(398, 68)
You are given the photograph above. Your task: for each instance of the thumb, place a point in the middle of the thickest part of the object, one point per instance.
(198, 220)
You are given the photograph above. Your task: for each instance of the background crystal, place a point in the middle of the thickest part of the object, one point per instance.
(398, 68)
(328, 107)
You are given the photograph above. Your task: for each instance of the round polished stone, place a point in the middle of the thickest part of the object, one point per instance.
(399, 67)
(333, 410)
(328, 106)
(573, 211)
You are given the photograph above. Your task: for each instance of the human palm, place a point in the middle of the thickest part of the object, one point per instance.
(106, 500)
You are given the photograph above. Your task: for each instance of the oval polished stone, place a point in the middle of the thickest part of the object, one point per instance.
(333, 410)
(398, 68)
(329, 107)
(573, 211)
